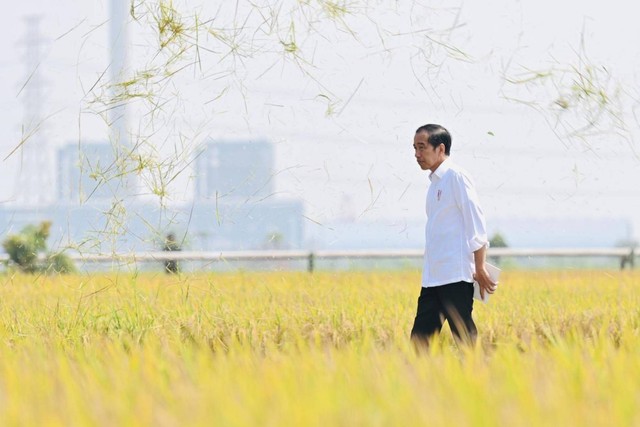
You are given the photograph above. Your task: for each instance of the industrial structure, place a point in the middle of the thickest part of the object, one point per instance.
(235, 188)
(93, 200)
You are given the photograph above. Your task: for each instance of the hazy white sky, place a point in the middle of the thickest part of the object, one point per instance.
(343, 107)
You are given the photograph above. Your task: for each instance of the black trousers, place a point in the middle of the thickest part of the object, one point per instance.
(453, 302)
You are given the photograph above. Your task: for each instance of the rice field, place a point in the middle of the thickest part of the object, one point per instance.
(321, 349)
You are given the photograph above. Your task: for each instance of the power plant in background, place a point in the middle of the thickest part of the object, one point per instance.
(93, 201)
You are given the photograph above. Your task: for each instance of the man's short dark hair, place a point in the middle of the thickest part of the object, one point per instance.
(437, 135)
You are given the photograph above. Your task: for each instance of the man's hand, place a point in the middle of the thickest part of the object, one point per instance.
(481, 276)
(484, 281)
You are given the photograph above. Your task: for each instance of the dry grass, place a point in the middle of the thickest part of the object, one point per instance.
(324, 349)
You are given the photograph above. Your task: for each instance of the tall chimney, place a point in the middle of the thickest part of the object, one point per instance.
(118, 118)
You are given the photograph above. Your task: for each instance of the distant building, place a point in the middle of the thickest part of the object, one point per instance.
(86, 172)
(235, 170)
(270, 224)
(235, 206)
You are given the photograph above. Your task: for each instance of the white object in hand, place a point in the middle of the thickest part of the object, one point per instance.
(494, 275)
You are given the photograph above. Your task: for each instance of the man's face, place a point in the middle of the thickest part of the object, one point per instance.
(427, 156)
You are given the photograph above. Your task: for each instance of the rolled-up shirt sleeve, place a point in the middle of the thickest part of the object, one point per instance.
(475, 228)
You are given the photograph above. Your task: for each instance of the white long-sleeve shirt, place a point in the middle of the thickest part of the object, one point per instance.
(455, 227)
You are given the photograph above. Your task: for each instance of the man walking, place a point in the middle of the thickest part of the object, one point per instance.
(456, 243)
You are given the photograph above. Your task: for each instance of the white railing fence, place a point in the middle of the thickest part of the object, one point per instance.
(626, 256)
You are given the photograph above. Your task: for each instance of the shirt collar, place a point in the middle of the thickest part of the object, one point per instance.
(442, 169)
